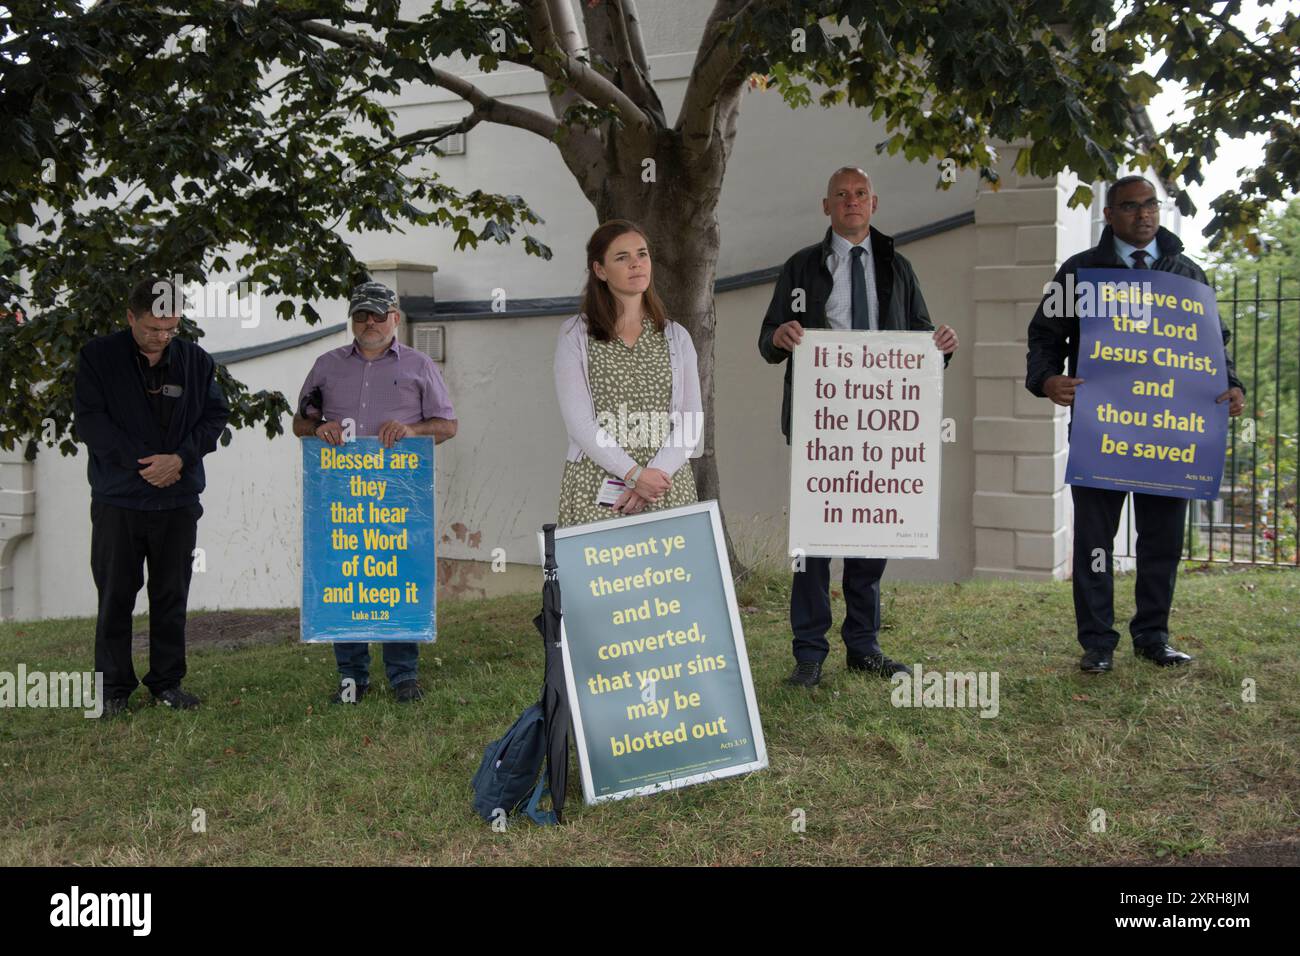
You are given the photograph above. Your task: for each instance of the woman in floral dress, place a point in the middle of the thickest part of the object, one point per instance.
(629, 389)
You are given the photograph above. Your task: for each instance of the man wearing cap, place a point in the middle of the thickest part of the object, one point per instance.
(391, 392)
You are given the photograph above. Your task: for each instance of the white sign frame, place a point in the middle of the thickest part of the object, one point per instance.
(742, 656)
(832, 337)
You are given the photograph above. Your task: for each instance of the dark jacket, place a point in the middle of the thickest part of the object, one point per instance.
(902, 308)
(1054, 340)
(114, 419)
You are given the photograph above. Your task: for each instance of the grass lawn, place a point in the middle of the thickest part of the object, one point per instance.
(1180, 764)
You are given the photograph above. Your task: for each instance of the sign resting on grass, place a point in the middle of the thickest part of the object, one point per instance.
(654, 654)
(369, 568)
(1152, 363)
(865, 443)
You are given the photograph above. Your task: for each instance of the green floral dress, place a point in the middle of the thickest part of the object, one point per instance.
(626, 380)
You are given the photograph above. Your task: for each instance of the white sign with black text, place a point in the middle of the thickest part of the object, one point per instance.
(865, 445)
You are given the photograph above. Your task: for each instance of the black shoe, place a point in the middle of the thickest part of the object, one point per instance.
(176, 699)
(114, 706)
(877, 664)
(1163, 655)
(805, 674)
(354, 692)
(1096, 662)
(406, 691)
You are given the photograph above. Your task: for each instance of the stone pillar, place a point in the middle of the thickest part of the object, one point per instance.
(413, 283)
(17, 519)
(1022, 508)
(405, 278)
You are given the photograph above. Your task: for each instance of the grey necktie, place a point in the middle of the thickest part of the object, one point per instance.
(858, 287)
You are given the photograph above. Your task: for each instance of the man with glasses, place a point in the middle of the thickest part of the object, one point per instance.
(391, 392)
(1134, 239)
(148, 407)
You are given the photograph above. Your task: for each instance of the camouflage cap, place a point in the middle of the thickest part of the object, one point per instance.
(373, 297)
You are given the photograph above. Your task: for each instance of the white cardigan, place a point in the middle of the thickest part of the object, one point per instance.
(586, 437)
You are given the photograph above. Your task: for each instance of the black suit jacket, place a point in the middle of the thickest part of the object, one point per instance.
(114, 419)
(1054, 341)
(902, 307)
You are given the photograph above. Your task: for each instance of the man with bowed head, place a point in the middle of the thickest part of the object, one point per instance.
(852, 279)
(149, 409)
(1133, 239)
(391, 391)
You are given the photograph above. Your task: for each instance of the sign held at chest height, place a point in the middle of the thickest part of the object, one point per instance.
(865, 437)
(1152, 363)
(369, 569)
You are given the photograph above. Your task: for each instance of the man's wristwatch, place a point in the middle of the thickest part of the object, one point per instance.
(631, 482)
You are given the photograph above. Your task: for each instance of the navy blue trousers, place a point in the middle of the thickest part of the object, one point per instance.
(1159, 521)
(810, 607)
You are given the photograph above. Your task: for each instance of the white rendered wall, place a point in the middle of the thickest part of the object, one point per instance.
(498, 480)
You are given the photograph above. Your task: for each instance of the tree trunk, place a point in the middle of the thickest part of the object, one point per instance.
(679, 211)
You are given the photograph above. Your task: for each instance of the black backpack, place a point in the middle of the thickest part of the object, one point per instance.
(510, 771)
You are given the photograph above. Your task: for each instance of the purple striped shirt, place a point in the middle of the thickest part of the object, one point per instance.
(402, 385)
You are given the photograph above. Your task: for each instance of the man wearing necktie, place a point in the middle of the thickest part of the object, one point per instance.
(852, 279)
(1133, 237)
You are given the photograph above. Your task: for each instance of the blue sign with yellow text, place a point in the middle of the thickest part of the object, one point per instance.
(369, 567)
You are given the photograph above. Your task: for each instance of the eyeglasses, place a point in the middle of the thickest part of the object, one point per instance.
(1131, 208)
(160, 333)
(369, 318)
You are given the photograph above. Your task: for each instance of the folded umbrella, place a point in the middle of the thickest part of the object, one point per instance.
(555, 696)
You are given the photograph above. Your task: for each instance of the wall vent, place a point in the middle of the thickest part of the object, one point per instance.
(431, 340)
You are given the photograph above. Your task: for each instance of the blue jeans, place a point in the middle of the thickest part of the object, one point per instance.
(401, 658)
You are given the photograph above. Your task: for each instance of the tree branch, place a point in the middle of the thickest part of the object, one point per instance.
(1261, 52)
(436, 134)
(609, 47)
(716, 60)
(632, 25)
(559, 14)
(487, 108)
(553, 60)
(632, 68)
(553, 19)
(600, 35)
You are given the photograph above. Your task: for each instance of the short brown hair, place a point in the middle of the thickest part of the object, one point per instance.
(157, 296)
(598, 303)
